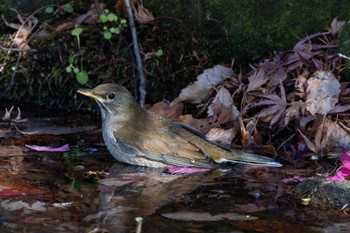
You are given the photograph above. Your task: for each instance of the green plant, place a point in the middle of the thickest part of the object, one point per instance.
(108, 18)
(80, 74)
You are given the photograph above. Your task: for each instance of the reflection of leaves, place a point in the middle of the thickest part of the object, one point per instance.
(205, 216)
(17, 205)
(277, 105)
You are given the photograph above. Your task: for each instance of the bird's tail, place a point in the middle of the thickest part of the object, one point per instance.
(248, 158)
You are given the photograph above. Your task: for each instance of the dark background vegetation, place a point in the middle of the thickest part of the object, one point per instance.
(193, 35)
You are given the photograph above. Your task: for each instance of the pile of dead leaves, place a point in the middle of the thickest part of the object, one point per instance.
(297, 94)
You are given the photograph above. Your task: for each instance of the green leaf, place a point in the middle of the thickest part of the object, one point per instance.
(68, 69)
(76, 70)
(107, 35)
(106, 11)
(112, 29)
(123, 21)
(112, 17)
(71, 59)
(103, 18)
(159, 53)
(105, 27)
(49, 10)
(77, 31)
(68, 8)
(117, 30)
(82, 77)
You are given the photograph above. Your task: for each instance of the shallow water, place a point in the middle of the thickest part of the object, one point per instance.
(85, 190)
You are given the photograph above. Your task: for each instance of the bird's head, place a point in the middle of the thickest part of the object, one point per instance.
(114, 100)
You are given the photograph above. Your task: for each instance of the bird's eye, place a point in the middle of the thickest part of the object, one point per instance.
(111, 96)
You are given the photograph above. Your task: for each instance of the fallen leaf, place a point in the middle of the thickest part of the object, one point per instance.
(336, 26)
(277, 106)
(322, 92)
(224, 98)
(223, 136)
(164, 109)
(256, 80)
(201, 89)
(142, 14)
(49, 149)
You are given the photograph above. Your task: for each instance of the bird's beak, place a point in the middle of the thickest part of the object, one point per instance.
(88, 93)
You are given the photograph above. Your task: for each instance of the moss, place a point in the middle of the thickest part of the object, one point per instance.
(193, 34)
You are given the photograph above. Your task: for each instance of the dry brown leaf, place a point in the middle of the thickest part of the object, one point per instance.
(339, 133)
(201, 89)
(323, 140)
(223, 97)
(24, 30)
(203, 125)
(256, 80)
(294, 111)
(142, 14)
(164, 109)
(322, 92)
(224, 136)
(336, 26)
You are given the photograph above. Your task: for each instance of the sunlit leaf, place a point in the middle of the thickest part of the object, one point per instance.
(103, 18)
(49, 10)
(112, 17)
(77, 31)
(82, 77)
(107, 35)
(68, 8)
(159, 53)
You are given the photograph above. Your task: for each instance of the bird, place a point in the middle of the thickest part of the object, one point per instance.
(136, 136)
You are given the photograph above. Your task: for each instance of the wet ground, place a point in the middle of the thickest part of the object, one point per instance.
(85, 190)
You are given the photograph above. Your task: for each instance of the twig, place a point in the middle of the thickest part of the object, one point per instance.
(137, 53)
(132, 66)
(17, 49)
(139, 224)
(343, 56)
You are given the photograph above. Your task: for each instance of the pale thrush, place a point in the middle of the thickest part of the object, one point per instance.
(136, 136)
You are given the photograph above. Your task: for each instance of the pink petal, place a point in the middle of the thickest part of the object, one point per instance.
(49, 149)
(345, 159)
(344, 169)
(339, 176)
(186, 170)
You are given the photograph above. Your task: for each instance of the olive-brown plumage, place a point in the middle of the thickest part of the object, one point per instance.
(136, 136)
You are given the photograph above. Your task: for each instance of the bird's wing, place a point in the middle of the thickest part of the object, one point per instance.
(167, 144)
